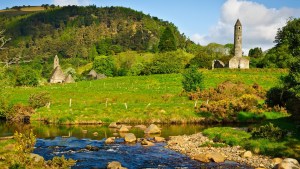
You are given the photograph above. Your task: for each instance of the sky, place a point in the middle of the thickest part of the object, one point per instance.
(205, 21)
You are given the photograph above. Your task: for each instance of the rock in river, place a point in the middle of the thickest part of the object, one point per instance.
(289, 163)
(113, 125)
(110, 140)
(130, 138)
(159, 139)
(152, 129)
(123, 129)
(115, 165)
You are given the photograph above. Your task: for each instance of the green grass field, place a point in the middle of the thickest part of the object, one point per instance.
(135, 99)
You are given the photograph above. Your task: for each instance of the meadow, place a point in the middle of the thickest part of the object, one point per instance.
(133, 99)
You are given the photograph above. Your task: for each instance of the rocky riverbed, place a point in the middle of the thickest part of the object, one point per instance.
(191, 146)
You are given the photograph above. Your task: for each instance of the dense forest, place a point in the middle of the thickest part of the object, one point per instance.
(115, 41)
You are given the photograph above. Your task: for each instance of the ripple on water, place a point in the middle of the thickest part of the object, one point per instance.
(132, 156)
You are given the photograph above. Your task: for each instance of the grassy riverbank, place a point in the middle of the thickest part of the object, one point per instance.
(139, 99)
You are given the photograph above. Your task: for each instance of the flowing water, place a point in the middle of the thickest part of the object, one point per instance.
(71, 141)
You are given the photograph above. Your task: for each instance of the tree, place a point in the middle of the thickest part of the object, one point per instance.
(192, 80)
(255, 52)
(287, 46)
(289, 37)
(167, 41)
(105, 65)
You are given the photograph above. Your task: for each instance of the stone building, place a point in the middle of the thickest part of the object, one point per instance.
(94, 75)
(238, 61)
(58, 76)
(217, 64)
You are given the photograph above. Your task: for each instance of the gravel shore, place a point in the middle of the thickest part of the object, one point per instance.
(191, 146)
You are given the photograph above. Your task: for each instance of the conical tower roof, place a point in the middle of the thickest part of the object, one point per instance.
(238, 23)
(69, 79)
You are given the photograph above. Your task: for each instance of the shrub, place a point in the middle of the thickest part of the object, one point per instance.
(26, 77)
(25, 141)
(192, 80)
(277, 96)
(38, 100)
(61, 162)
(19, 113)
(3, 107)
(228, 99)
(268, 131)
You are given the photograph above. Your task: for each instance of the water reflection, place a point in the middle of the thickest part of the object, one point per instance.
(95, 132)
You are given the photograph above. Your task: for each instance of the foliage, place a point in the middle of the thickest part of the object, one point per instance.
(265, 146)
(37, 100)
(228, 99)
(255, 53)
(61, 162)
(277, 96)
(104, 65)
(25, 141)
(192, 80)
(19, 113)
(268, 131)
(167, 41)
(169, 62)
(287, 46)
(26, 77)
(227, 135)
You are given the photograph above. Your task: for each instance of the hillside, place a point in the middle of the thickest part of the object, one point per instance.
(74, 31)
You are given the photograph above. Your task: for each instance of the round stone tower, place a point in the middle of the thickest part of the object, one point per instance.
(238, 39)
(56, 62)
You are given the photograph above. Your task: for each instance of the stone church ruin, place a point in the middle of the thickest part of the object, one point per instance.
(58, 76)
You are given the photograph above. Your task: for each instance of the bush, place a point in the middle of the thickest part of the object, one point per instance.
(26, 77)
(61, 162)
(277, 96)
(228, 99)
(268, 131)
(19, 113)
(25, 142)
(38, 100)
(192, 80)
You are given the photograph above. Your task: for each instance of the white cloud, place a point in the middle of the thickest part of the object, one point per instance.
(260, 24)
(71, 2)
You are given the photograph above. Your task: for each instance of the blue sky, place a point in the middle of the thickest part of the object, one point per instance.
(205, 21)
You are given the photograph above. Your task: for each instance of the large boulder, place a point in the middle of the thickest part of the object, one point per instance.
(110, 140)
(145, 142)
(130, 138)
(152, 129)
(216, 157)
(159, 139)
(123, 129)
(113, 125)
(208, 157)
(115, 165)
(288, 163)
(247, 154)
(201, 157)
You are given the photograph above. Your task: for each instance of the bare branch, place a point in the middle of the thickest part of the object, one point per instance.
(3, 40)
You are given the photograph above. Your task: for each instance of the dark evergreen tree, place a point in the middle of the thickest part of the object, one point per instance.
(167, 41)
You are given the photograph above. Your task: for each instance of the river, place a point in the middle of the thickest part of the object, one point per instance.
(71, 141)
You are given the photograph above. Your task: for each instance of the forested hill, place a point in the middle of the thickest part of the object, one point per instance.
(84, 32)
